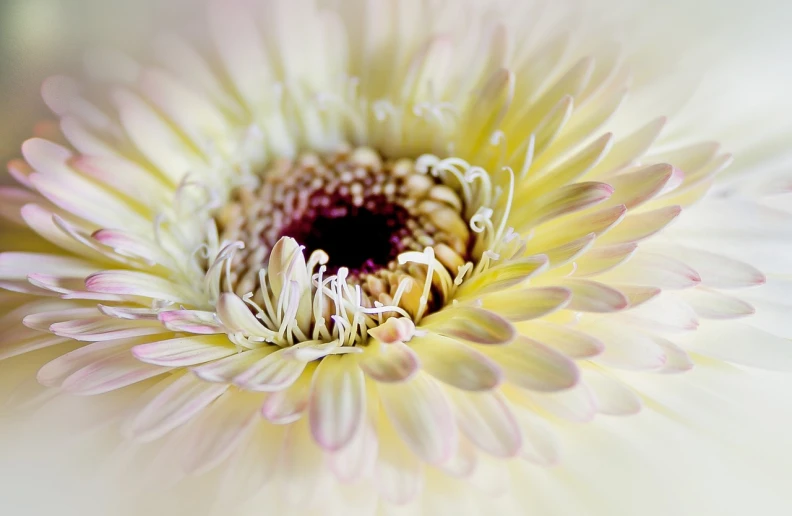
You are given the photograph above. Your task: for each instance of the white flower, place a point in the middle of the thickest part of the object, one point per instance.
(379, 255)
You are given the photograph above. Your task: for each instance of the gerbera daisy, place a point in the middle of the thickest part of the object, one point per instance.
(352, 252)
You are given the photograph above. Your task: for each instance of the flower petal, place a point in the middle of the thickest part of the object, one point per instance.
(576, 404)
(179, 402)
(655, 270)
(636, 227)
(338, 399)
(592, 296)
(635, 188)
(191, 321)
(719, 271)
(237, 317)
(571, 342)
(226, 369)
(422, 416)
(287, 405)
(114, 372)
(399, 472)
(55, 371)
(94, 329)
(563, 201)
(184, 351)
(455, 363)
(486, 419)
(612, 396)
(274, 372)
(528, 303)
(357, 460)
(389, 362)
(503, 276)
(740, 343)
(471, 324)
(627, 349)
(711, 304)
(540, 444)
(134, 283)
(218, 430)
(532, 365)
(18, 266)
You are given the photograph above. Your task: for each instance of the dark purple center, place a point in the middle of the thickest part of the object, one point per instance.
(363, 238)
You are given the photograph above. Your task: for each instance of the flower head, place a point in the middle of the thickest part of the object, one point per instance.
(363, 249)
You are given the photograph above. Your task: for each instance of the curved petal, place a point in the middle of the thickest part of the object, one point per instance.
(455, 363)
(486, 419)
(525, 304)
(389, 362)
(532, 365)
(338, 400)
(471, 324)
(274, 372)
(179, 402)
(184, 351)
(422, 416)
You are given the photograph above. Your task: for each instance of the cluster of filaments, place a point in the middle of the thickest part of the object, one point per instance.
(384, 238)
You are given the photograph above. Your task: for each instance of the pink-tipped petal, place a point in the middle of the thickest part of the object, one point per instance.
(274, 372)
(337, 404)
(389, 363)
(184, 351)
(422, 416)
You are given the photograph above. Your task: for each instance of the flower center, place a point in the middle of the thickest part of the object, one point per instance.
(359, 209)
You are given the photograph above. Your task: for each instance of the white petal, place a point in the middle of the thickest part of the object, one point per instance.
(742, 344)
(572, 343)
(134, 283)
(356, 461)
(114, 372)
(55, 371)
(218, 430)
(576, 404)
(184, 351)
(539, 442)
(627, 349)
(20, 265)
(532, 365)
(236, 316)
(179, 402)
(612, 396)
(486, 419)
(399, 472)
(421, 414)
(287, 405)
(191, 321)
(337, 405)
(226, 369)
(274, 372)
(718, 271)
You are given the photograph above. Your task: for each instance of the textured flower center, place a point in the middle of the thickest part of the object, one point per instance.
(358, 208)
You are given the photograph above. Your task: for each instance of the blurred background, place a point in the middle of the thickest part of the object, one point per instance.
(39, 38)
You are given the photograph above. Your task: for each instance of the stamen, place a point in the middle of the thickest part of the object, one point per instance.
(373, 230)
